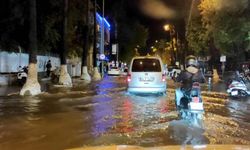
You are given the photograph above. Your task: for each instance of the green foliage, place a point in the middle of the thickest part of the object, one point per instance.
(14, 25)
(130, 36)
(197, 36)
(226, 22)
(130, 31)
(163, 49)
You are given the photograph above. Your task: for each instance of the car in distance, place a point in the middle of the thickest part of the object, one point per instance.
(114, 71)
(146, 74)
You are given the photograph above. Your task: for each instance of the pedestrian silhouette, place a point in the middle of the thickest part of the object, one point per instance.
(48, 68)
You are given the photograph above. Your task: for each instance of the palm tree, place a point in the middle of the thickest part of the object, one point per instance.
(96, 75)
(85, 74)
(64, 78)
(32, 86)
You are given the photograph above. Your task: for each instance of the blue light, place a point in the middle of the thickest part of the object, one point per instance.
(105, 21)
(99, 17)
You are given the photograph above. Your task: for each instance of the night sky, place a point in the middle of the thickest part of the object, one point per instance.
(155, 13)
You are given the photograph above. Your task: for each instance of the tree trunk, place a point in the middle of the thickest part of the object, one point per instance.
(96, 74)
(85, 75)
(32, 86)
(94, 40)
(65, 78)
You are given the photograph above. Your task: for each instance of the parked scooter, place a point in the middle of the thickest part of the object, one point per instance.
(22, 75)
(238, 88)
(191, 105)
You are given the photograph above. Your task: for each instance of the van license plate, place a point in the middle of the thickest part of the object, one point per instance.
(147, 79)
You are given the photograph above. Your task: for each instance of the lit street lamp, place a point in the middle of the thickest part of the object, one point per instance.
(166, 27)
(171, 30)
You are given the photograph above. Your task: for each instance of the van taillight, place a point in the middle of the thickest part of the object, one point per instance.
(129, 77)
(163, 78)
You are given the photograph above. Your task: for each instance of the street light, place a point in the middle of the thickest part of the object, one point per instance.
(166, 27)
(171, 29)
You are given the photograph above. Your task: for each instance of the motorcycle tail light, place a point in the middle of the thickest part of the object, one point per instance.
(196, 99)
(129, 77)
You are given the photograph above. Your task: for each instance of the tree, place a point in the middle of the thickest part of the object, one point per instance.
(196, 37)
(130, 35)
(96, 74)
(163, 49)
(32, 87)
(85, 45)
(130, 31)
(14, 20)
(227, 23)
(14, 25)
(64, 78)
(221, 27)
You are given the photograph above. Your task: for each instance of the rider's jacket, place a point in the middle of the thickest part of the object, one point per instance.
(187, 78)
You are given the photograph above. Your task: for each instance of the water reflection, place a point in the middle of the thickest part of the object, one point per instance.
(104, 86)
(31, 104)
(184, 134)
(125, 125)
(102, 116)
(240, 109)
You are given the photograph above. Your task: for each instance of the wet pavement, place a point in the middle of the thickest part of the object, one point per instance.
(103, 113)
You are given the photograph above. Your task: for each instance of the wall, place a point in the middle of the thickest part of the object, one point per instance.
(9, 62)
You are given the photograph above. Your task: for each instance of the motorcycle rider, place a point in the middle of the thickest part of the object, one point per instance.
(191, 74)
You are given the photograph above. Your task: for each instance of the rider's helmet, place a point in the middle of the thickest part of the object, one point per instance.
(191, 61)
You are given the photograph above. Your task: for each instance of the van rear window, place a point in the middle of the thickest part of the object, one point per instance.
(146, 65)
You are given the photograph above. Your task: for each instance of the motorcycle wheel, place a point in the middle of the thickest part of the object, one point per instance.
(197, 120)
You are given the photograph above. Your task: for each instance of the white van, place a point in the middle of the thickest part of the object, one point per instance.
(146, 75)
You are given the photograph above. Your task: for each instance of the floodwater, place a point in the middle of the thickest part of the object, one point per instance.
(103, 113)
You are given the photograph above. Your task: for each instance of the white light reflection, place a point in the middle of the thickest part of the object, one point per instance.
(199, 146)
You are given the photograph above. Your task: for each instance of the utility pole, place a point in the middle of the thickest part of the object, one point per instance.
(102, 37)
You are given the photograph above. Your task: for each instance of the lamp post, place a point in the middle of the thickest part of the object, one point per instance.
(171, 29)
(102, 39)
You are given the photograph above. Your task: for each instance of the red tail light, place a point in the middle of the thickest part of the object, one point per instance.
(196, 99)
(129, 77)
(163, 78)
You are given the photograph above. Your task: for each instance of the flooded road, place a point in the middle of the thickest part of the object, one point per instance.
(103, 113)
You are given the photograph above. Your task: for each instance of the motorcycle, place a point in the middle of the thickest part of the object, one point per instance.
(55, 74)
(191, 105)
(238, 88)
(22, 75)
